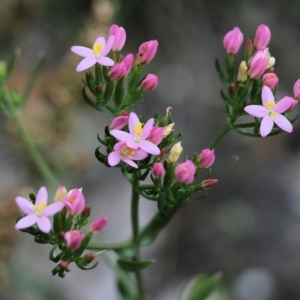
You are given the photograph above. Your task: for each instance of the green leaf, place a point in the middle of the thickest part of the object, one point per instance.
(134, 266)
(201, 287)
(220, 73)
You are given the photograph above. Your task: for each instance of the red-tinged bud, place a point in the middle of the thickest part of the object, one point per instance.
(232, 88)
(118, 123)
(162, 152)
(208, 183)
(61, 236)
(249, 47)
(150, 82)
(270, 80)
(97, 225)
(86, 211)
(99, 89)
(89, 257)
(74, 239)
(147, 51)
(158, 170)
(64, 266)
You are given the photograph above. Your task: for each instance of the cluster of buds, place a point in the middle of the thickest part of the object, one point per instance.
(70, 214)
(116, 74)
(256, 82)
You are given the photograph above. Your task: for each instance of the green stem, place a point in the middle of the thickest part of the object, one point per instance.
(220, 135)
(116, 246)
(35, 155)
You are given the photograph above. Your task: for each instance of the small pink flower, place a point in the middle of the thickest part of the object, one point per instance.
(120, 70)
(95, 55)
(73, 239)
(97, 225)
(232, 40)
(126, 154)
(185, 172)
(258, 64)
(208, 183)
(147, 51)
(271, 112)
(138, 135)
(206, 158)
(296, 89)
(39, 212)
(75, 201)
(156, 135)
(150, 82)
(270, 80)
(119, 123)
(120, 37)
(262, 36)
(158, 170)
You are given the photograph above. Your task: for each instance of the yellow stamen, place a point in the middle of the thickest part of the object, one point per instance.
(270, 105)
(138, 129)
(39, 209)
(127, 152)
(97, 48)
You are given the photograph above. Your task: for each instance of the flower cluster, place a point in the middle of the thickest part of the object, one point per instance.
(70, 215)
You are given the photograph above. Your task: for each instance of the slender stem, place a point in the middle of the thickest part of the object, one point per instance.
(220, 135)
(35, 155)
(116, 246)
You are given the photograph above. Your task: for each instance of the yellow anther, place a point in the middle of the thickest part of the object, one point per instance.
(39, 209)
(97, 48)
(270, 105)
(138, 129)
(127, 152)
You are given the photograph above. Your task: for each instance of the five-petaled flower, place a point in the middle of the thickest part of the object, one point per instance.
(39, 212)
(271, 112)
(95, 55)
(138, 134)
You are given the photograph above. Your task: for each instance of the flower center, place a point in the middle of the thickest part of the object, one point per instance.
(270, 106)
(127, 152)
(39, 209)
(137, 132)
(97, 49)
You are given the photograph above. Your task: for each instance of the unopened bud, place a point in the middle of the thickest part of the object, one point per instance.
(231, 88)
(208, 183)
(242, 73)
(175, 152)
(249, 46)
(64, 266)
(86, 211)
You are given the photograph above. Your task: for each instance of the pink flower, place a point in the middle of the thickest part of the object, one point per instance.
(293, 105)
(119, 122)
(73, 239)
(120, 70)
(120, 37)
(147, 51)
(150, 82)
(97, 225)
(206, 158)
(75, 201)
(185, 172)
(138, 134)
(232, 40)
(270, 80)
(126, 154)
(271, 112)
(262, 36)
(208, 183)
(158, 170)
(296, 89)
(258, 64)
(95, 55)
(39, 212)
(156, 135)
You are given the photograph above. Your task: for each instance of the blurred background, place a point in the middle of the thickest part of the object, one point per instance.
(249, 225)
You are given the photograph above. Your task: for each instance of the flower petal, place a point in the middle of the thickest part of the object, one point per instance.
(25, 205)
(100, 40)
(105, 61)
(54, 208)
(284, 104)
(283, 123)
(147, 128)
(85, 64)
(139, 154)
(82, 51)
(266, 95)
(149, 147)
(121, 135)
(44, 224)
(42, 195)
(114, 158)
(266, 126)
(26, 222)
(132, 121)
(108, 45)
(256, 110)
(129, 162)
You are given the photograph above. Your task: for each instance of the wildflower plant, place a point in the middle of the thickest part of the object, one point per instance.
(144, 147)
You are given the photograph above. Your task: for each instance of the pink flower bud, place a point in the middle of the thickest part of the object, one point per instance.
(232, 40)
(293, 103)
(117, 71)
(147, 51)
(270, 80)
(150, 82)
(208, 183)
(158, 170)
(74, 239)
(262, 36)
(75, 202)
(156, 135)
(185, 172)
(127, 61)
(98, 224)
(119, 123)
(206, 158)
(120, 37)
(296, 89)
(258, 64)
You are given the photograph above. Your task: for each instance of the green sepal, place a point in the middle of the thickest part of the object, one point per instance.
(52, 257)
(101, 141)
(109, 90)
(84, 244)
(134, 266)
(87, 268)
(229, 63)
(119, 93)
(101, 157)
(57, 224)
(223, 96)
(90, 82)
(32, 197)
